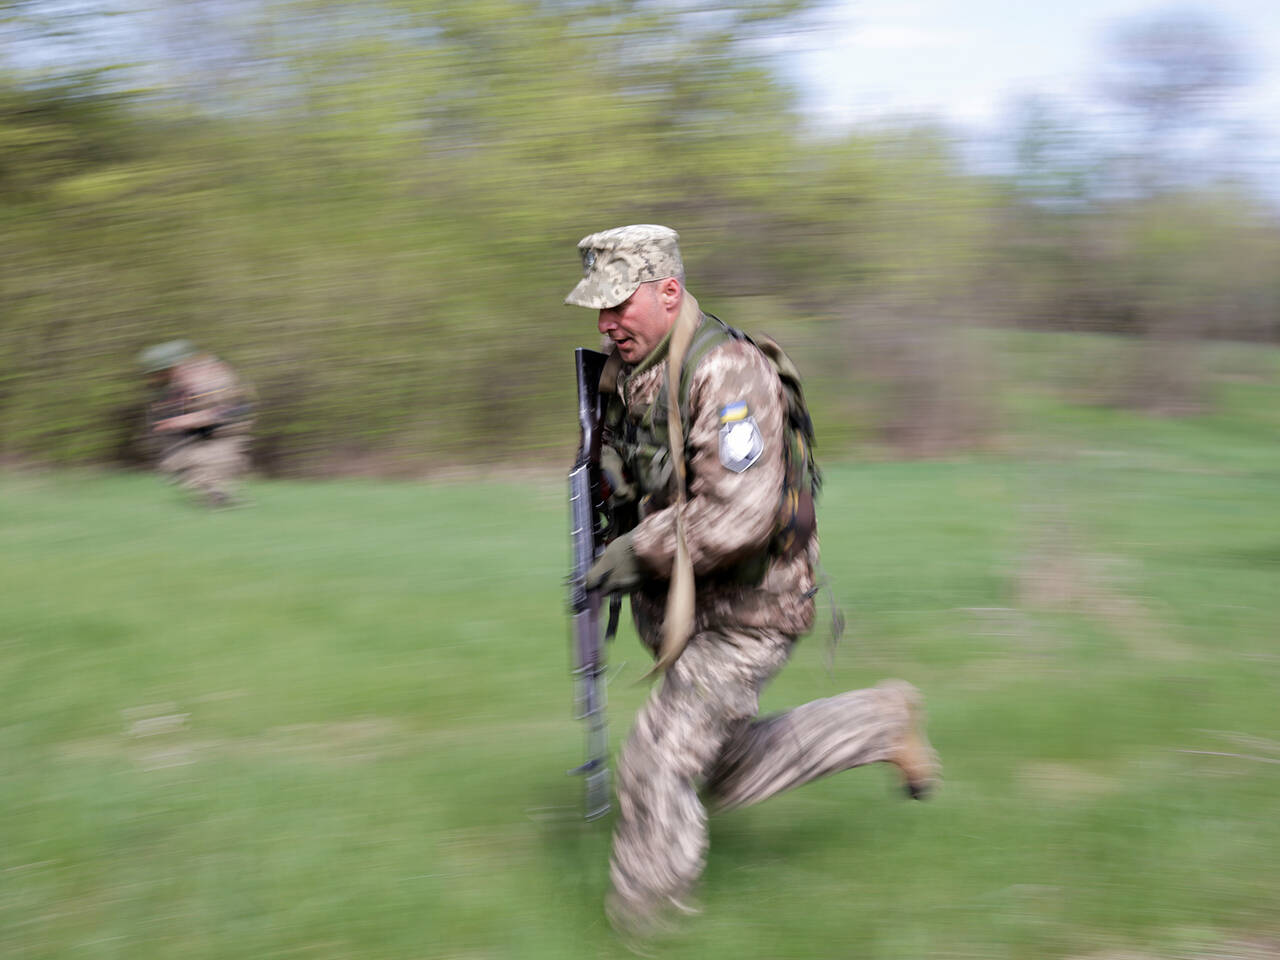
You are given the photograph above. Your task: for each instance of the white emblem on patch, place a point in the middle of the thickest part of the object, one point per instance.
(740, 444)
(588, 260)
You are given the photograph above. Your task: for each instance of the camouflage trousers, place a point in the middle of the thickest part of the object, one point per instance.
(697, 739)
(207, 467)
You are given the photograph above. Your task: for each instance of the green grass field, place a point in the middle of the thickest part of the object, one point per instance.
(336, 724)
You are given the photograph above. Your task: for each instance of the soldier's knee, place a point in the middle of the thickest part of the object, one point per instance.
(899, 691)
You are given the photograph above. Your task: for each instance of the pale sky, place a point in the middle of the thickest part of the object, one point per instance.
(967, 60)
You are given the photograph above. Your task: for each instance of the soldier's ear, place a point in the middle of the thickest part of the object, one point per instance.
(669, 290)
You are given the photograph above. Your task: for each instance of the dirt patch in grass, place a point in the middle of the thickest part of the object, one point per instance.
(1066, 782)
(156, 736)
(1055, 574)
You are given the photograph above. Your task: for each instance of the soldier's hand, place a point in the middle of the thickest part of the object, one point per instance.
(621, 491)
(618, 570)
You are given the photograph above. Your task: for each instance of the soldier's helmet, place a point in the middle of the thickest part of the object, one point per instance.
(163, 356)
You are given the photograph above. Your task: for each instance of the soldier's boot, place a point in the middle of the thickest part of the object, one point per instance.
(911, 752)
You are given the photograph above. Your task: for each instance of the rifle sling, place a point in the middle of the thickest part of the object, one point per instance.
(609, 375)
(678, 622)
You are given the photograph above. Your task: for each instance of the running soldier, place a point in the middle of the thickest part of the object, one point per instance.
(744, 527)
(203, 416)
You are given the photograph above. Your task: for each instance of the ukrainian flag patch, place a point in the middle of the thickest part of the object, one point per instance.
(734, 412)
(740, 440)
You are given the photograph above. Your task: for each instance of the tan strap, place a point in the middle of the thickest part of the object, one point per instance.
(677, 625)
(609, 373)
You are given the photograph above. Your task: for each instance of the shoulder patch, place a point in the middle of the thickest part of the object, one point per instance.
(740, 441)
(734, 412)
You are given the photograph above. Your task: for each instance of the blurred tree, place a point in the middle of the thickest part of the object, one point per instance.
(1172, 72)
(1148, 238)
(901, 239)
(370, 207)
(1045, 256)
(1054, 164)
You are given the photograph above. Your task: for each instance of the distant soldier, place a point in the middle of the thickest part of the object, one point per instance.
(718, 482)
(203, 414)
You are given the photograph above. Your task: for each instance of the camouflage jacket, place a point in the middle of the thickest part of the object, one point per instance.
(203, 398)
(731, 508)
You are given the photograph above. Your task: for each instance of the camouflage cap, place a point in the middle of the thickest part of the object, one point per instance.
(615, 262)
(162, 356)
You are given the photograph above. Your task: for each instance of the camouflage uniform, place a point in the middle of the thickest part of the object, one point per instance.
(698, 733)
(210, 451)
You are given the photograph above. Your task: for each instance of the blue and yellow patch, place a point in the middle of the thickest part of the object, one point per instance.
(740, 440)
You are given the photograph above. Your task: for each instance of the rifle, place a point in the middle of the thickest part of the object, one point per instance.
(162, 407)
(590, 525)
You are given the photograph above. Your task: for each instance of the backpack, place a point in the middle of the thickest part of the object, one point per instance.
(796, 519)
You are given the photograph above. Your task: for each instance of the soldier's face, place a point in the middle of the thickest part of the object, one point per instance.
(639, 323)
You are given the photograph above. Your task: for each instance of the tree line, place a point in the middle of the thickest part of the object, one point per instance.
(370, 210)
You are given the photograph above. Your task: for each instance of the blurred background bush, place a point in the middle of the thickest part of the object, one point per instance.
(370, 210)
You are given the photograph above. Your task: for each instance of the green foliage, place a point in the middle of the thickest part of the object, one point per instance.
(381, 241)
(370, 210)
